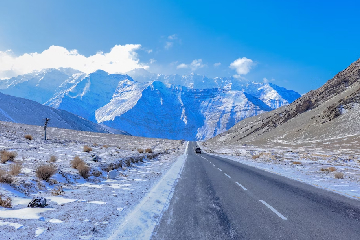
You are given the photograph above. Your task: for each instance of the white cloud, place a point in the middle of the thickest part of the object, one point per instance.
(168, 45)
(182, 65)
(152, 61)
(267, 80)
(149, 51)
(217, 64)
(242, 66)
(120, 59)
(172, 37)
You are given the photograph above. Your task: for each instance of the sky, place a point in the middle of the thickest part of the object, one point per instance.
(294, 44)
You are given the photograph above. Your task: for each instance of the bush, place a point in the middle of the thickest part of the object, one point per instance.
(96, 173)
(28, 137)
(5, 201)
(296, 163)
(57, 191)
(140, 150)
(5, 177)
(7, 156)
(148, 150)
(105, 146)
(15, 169)
(53, 159)
(76, 162)
(45, 172)
(332, 169)
(339, 175)
(83, 170)
(87, 148)
(255, 156)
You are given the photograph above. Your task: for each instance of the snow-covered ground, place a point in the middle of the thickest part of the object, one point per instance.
(89, 208)
(319, 167)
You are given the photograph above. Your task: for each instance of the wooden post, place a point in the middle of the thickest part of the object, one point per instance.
(46, 122)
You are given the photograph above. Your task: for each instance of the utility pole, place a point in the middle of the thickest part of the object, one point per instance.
(46, 122)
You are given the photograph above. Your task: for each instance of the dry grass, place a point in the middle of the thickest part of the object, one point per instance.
(87, 148)
(84, 170)
(296, 163)
(148, 150)
(57, 191)
(339, 175)
(332, 169)
(76, 162)
(45, 172)
(5, 177)
(7, 156)
(15, 169)
(53, 159)
(140, 150)
(105, 146)
(5, 201)
(255, 156)
(28, 137)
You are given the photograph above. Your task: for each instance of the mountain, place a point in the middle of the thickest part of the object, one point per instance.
(191, 107)
(20, 110)
(320, 116)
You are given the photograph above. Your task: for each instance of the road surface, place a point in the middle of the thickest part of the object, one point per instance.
(217, 198)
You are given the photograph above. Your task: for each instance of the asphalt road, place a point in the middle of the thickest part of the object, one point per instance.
(217, 198)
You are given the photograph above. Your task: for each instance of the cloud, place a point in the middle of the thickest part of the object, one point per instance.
(242, 66)
(149, 51)
(267, 80)
(168, 45)
(217, 64)
(172, 37)
(152, 61)
(194, 65)
(120, 59)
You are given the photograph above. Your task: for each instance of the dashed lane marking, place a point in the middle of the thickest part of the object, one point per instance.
(220, 170)
(241, 186)
(227, 175)
(274, 210)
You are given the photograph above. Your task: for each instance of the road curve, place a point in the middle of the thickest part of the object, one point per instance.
(217, 198)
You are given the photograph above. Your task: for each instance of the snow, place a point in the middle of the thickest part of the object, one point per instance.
(15, 225)
(24, 213)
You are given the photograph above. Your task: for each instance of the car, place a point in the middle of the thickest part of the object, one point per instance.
(197, 150)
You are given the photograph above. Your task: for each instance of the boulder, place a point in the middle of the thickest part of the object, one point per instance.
(37, 202)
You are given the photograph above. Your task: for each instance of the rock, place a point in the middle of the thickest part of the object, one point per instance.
(112, 174)
(37, 202)
(95, 158)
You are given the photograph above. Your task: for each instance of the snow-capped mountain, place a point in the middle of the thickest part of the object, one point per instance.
(191, 107)
(20, 110)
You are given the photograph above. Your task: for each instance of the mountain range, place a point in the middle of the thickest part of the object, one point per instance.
(190, 107)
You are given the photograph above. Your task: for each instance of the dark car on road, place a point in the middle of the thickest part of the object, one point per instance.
(197, 150)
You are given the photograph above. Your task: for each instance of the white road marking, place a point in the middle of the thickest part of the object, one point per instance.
(274, 210)
(241, 186)
(227, 175)
(220, 170)
(214, 165)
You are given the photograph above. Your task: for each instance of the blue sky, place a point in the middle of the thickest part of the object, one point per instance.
(296, 44)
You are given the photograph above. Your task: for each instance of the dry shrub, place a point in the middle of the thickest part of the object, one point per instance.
(15, 169)
(76, 162)
(332, 169)
(57, 191)
(105, 146)
(53, 159)
(5, 177)
(96, 173)
(148, 150)
(7, 156)
(339, 175)
(296, 162)
(83, 170)
(324, 169)
(140, 150)
(28, 137)
(5, 201)
(87, 148)
(45, 172)
(255, 156)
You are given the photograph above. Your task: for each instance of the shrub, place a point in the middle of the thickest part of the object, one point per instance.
(53, 159)
(5, 201)
(296, 162)
(255, 156)
(5, 177)
(76, 162)
(332, 169)
(7, 156)
(57, 191)
(96, 173)
(45, 172)
(140, 150)
(28, 137)
(105, 146)
(87, 148)
(84, 170)
(148, 150)
(339, 175)
(15, 169)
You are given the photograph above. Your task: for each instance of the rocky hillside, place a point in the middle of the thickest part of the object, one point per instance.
(330, 112)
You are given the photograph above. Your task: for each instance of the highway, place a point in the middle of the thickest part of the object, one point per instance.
(216, 198)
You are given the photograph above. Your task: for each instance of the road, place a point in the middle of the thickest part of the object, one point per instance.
(217, 198)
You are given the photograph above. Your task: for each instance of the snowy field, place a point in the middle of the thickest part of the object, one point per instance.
(335, 169)
(86, 208)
